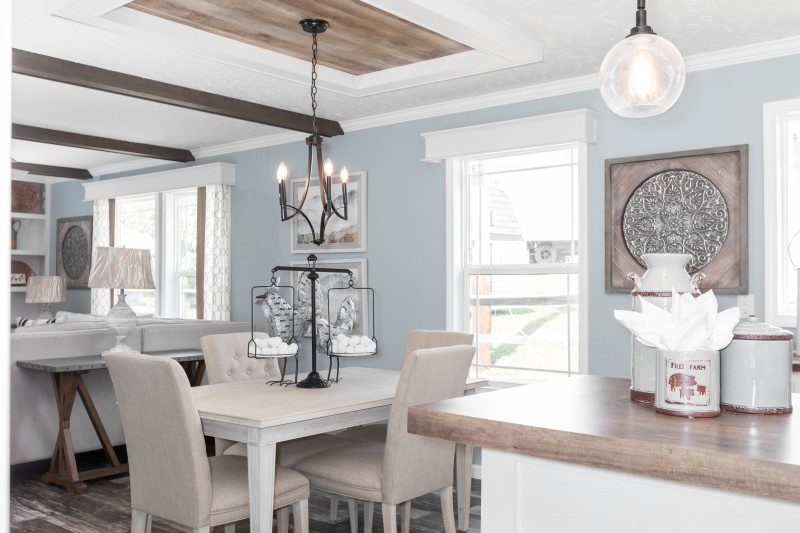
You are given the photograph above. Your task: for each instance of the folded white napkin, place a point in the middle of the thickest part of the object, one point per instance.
(692, 323)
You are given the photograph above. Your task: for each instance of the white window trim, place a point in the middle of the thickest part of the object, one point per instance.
(167, 180)
(545, 130)
(775, 206)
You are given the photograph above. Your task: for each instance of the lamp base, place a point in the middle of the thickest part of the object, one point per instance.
(313, 381)
(121, 319)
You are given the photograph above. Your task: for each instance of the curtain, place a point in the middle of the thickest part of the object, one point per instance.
(216, 268)
(101, 236)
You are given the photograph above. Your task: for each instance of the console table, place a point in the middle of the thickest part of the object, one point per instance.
(67, 383)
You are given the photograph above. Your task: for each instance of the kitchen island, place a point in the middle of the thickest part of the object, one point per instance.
(578, 455)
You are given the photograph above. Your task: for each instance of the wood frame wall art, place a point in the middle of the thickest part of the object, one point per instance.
(74, 251)
(679, 202)
(340, 235)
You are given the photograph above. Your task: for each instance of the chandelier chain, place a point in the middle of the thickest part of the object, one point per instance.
(314, 83)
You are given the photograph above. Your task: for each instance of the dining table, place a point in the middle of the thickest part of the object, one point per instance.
(262, 415)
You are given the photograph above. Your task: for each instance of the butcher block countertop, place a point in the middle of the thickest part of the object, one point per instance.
(590, 420)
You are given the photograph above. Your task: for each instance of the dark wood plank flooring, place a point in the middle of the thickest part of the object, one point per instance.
(105, 508)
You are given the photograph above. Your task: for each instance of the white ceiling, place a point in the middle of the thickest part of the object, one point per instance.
(572, 37)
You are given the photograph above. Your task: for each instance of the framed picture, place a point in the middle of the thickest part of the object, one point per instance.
(74, 251)
(328, 281)
(340, 235)
(691, 202)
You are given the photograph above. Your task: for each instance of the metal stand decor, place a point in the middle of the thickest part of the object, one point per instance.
(313, 380)
(335, 336)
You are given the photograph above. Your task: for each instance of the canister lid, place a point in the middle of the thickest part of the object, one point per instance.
(752, 330)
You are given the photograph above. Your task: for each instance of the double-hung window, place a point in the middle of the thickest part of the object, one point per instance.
(516, 270)
(166, 224)
(781, 211)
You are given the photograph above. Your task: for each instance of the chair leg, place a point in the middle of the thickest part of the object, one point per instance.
(405, 516)
(447, 509)
(230, 528)
(352, 506)
(140, 521)
(369, 513)
(300, 512)
(389, 518)
(283, 519)
(334, 507)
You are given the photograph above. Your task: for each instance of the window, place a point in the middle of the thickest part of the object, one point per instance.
(184, 217)
(516, 242)
(781, 210)
(166, 224)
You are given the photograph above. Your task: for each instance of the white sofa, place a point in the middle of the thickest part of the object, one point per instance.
(33, 414)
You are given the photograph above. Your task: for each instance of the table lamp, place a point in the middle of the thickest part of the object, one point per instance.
(46, 290)
(121, 268)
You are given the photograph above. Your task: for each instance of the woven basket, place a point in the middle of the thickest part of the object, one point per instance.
(25, 197)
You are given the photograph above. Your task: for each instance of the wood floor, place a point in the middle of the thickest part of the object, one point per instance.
(105, 508)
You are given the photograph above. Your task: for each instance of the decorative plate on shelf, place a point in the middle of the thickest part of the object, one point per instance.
(21, 267)
(25, 197)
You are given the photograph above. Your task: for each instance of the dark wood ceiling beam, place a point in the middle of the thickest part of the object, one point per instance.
(60, 70)
(50, 170)
(90, 142)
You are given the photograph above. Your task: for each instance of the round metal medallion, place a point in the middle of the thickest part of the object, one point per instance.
(74, 252)
(677, 211)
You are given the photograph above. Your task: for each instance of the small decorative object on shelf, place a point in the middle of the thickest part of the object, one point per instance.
(281, 328)
(15, 225)
(22, 270)
(26, 197)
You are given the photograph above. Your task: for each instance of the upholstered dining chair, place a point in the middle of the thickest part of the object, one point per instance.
(417, 339)
(171, 476)
(406, 466)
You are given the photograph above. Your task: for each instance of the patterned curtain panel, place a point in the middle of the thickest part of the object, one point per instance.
(217, 256)
(101, 236)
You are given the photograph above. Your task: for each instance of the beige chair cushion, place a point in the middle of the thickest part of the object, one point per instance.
(369, 433)
(408, 465)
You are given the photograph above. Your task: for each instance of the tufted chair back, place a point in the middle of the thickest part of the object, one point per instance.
(226, 359)
(427, 338)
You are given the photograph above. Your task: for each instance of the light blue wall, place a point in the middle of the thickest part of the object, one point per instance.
(406, 199)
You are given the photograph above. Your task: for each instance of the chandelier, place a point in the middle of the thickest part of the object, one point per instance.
(642, 75)
(324, 170)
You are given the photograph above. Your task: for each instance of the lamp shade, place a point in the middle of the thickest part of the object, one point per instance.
(46, 289)
(122, 268)
(642, 76)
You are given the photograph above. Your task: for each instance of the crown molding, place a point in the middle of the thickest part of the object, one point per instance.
(700, 62)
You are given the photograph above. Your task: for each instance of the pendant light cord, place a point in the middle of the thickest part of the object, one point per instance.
(314, 83)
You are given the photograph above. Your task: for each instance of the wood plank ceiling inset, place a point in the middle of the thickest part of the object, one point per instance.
(361, 38)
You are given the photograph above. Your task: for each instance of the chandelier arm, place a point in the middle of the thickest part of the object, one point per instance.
(310, 225)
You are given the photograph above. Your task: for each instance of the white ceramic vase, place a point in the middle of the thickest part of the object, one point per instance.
(664, 273)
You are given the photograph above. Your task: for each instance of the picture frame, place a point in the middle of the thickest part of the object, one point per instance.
(74, 251)
(725, 174)
(328, 280)
(341, 235)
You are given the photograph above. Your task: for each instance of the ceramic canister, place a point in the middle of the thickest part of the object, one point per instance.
(665, 272)
(756, 370)
(688, 383)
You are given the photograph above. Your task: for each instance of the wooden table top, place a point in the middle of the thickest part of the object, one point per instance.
(590, 420)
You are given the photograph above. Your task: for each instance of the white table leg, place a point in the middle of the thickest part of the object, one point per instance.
(463, 483)
(261, 478)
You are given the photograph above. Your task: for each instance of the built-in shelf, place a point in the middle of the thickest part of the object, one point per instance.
(29, 216)
(29, 252)
(18, 288)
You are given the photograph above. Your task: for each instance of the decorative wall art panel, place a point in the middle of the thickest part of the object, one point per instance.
(340, 235)
(691, 202)
(74, 252)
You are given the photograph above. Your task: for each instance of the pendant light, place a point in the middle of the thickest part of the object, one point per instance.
(642, 75)
(324, 170)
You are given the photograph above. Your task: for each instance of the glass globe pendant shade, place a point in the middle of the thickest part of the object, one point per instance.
(642, 76)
